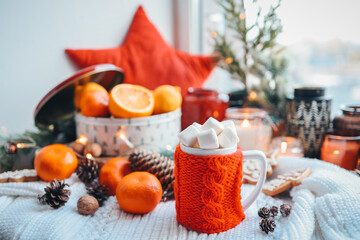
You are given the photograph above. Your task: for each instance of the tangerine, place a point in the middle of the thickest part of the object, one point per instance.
(94, 104)
(131, 101)
(139, 192)
(81, 89)
(167, 99)
(112, 172)
(55, 161)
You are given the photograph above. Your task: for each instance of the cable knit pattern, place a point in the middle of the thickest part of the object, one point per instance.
(207, 191)
(325, 206)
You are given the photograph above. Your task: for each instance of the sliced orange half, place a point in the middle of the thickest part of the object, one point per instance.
(131, 101)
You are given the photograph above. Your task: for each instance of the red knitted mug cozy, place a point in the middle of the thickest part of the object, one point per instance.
(207, 191)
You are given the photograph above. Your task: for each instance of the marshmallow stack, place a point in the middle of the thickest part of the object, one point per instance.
(211, 135)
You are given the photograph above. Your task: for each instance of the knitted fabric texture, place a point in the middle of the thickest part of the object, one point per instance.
(324, 206)
(207, 191)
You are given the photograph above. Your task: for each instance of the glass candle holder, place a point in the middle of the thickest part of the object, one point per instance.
(341, 150)
(200, 104)
(287, 147)
(349, 121)
(253, 127)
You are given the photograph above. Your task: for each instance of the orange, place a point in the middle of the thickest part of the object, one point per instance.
(55, 161)
(94, 104)
(112, 172)
(131, 101)
(167, 99)
(139, 192)
(81, 89)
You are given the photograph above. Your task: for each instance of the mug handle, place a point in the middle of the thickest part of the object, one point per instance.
(260, 156)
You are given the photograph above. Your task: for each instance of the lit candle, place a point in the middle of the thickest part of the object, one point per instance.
(253, 136)
(340, 151)
(287, 146)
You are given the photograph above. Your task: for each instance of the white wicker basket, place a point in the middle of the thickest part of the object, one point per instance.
(157, 130)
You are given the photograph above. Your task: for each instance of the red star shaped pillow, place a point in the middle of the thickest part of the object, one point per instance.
(147, 59)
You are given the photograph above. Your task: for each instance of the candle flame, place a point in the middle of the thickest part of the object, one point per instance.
(283, 147)
(82, 139)
(336, 152)
(88, 156)
(245, 123)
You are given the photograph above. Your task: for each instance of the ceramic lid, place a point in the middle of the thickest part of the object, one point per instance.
(56, 109)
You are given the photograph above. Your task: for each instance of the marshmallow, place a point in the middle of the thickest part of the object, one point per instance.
(208, 139)
(197, 125)
(212, 123)
(230, 124)
(227, 138)
(188, 136)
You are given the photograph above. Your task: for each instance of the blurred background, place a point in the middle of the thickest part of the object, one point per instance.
(320, 40)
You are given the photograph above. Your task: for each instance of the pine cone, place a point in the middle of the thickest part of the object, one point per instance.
(274, 211)
(285, 210)
(264, 212)
(55, 195)
(267, 225)
(100, 192)
(161, 166)
(88, 170)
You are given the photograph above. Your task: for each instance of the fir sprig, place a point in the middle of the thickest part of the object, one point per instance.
(257, 52)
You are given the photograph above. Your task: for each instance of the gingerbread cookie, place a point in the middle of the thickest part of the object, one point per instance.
(285, 181)
(25, 175)
(251, 168)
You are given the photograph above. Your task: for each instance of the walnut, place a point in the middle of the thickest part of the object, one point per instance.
(93, 148)
(77, 147)
(87, 205)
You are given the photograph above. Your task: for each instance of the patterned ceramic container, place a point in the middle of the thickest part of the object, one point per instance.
(308, 118)
(157, 130)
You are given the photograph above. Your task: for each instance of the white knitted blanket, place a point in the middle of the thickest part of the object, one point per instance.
(325, 206)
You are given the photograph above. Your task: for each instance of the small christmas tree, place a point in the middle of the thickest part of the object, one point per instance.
(250, 50)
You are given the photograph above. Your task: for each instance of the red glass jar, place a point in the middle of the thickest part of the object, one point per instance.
(200, 104)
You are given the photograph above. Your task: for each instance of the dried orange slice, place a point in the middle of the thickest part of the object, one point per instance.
(131, 101)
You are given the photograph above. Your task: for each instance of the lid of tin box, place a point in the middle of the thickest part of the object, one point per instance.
(56, 109)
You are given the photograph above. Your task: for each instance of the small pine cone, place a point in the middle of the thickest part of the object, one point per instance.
(154, 163)
(100, 192)
(274, 211)
(285, 210)
(88, 170)
(264, 212)
(55, 195)
(267, 225)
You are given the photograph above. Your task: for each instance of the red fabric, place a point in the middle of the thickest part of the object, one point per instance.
(147, 59)
(207, 191)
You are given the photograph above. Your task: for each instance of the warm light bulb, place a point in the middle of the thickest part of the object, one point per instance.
(88, 156)
(242, 16)
(245, 123)
(283, 147)
(19, 145)
(122, 136)
(336, 152)
(168, 147)
(252, 96)
(82, 139)
(229, 60)
(213, 34)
